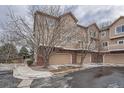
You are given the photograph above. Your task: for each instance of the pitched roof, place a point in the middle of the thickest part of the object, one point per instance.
(116, 20)
(45, 14)
(69, 13)
(107, 27)
(94, 25)
(55, 17)
(81, 26)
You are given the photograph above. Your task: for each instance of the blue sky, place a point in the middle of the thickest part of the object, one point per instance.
(85, 14)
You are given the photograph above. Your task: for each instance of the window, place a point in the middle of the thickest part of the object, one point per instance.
(93, 34)
(120, 42)
(120, 29)
(103, 34)
(105, 44)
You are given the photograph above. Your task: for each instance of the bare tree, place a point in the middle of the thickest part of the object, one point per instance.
(8, 47)
(87, 45)
(51, 32)
(40, 30)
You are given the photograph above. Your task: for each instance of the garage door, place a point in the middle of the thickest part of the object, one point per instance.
(61, 58)
(87, 59)
(114, 58)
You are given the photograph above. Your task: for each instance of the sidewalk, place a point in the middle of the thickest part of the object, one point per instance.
(25, 83)
(25, 72)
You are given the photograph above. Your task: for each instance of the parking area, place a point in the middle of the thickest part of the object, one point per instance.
(92, 77)
(7, 80)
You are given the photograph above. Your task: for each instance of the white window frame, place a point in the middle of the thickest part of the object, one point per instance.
(117, 27)
(119, 41)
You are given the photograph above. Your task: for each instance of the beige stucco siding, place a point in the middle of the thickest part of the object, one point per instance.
(86, 60)
(60, 58)
(93, 28)
(113, 58)
(115, 46)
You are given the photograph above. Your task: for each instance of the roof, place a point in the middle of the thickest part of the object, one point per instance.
(116, 20)
(45, 14)
(57, 17)
(104, 28)
(94, 25)
(75, 19)
(107, 27)
(69, 13)
(81, 26)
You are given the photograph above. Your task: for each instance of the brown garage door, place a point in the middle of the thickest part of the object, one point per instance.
(61, 58)
(114, 58)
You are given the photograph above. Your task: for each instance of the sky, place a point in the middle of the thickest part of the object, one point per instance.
(86, 14)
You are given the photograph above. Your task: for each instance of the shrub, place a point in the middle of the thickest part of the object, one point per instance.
(30, 62)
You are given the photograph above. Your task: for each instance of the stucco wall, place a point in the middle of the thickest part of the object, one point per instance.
(86, 60)
(91, 29)
(104, 39)
(113, 58)
(60, 58)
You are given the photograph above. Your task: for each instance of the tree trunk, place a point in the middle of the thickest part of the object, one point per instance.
(46, 62)
(7, 59)
(82, 58)
(35, 58)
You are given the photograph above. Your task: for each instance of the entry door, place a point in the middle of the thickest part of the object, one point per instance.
(96, 58)
(40, 60)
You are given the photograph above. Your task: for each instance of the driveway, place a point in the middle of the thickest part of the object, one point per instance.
(100, 77)
(7, 80)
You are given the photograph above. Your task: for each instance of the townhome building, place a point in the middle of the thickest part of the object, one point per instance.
(112, 42)
(107, 44)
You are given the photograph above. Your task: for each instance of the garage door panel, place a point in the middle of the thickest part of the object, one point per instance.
(60, 59)
(114, 58)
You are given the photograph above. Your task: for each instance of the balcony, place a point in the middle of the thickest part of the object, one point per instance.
(116, 47)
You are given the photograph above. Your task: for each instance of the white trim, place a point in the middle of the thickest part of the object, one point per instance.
(115, 44)
(71, 58)
(115, 49)
(103, 59)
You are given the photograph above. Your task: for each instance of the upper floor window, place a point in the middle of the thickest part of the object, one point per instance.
(120, 29)
(105, 44)
(93, 34)
(120, 42)
(103, 34)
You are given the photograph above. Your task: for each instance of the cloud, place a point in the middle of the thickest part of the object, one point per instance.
(91, 13)
(86, 14)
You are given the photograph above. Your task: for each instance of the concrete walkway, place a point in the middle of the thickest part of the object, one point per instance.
(25, 83)
(24, 72)
(28, 75)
